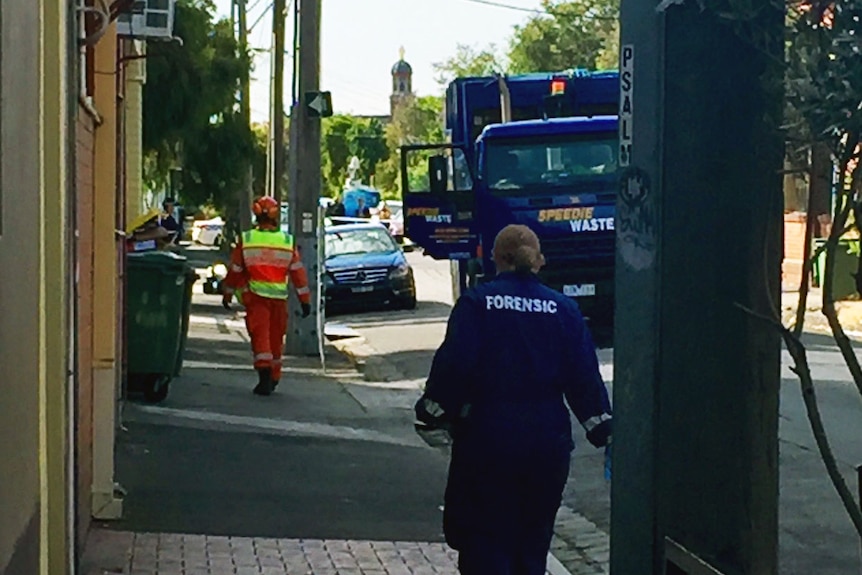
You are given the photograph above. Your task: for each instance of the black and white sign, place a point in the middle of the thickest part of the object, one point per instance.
(319, 104)
(626, 116)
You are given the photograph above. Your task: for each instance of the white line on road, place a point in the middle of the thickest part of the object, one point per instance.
(194, 364)
(555, 567)
(274, 426)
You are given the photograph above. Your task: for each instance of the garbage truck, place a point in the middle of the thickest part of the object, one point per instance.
(536, 149)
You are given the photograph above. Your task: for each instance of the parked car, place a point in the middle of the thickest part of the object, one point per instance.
(364, 265)
(396, 219)
(208, 232)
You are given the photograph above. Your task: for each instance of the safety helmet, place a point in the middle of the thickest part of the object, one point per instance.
(267, 207)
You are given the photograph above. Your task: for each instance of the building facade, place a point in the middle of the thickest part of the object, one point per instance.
(66, 156)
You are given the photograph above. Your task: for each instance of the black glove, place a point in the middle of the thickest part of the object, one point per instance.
(306, 309)
(225, 301)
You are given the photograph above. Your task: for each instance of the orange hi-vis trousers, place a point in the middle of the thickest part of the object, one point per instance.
(266, 321)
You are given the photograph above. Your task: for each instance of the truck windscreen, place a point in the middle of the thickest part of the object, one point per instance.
(556, 161)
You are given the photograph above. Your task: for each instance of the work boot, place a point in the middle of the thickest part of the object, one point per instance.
(264, 385)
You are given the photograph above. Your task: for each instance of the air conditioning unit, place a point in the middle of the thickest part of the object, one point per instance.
(148, 19)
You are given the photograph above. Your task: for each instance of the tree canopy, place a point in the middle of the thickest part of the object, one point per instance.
(419, 120)
(469, 61)
(191, 120)
(566, 34)
(344, 137)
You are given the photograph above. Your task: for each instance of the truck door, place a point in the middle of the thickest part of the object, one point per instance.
(439, 204)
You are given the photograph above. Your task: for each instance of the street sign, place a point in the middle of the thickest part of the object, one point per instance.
(626, 115)
(319, 104)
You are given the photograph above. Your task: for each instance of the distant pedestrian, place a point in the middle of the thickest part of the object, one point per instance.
(515, 354)
(262, 265)
(171, 221)
(362, 210)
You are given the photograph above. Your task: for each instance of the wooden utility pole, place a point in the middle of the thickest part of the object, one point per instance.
(279, 10)
(304, 335)
(245, 191)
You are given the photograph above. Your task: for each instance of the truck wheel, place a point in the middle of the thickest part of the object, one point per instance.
(156, 388)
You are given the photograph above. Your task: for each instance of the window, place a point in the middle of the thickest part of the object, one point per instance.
(517, 164)
(358, 242)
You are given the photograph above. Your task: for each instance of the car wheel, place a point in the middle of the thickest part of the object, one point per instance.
(408, 303)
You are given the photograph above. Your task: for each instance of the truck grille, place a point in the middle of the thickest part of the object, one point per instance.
(361, 276)
(583, 246)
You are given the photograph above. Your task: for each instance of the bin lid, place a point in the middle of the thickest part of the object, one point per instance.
(141, 220)
(160, 259)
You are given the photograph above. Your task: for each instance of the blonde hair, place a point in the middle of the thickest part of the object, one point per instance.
(517, 247)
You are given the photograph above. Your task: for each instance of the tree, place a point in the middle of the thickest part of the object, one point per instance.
(823, 88)
(468, 61)
(190, 114)
(348, 136)
(420, 120)
(578, 34)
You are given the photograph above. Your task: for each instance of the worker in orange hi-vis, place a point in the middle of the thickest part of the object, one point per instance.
(261, 267)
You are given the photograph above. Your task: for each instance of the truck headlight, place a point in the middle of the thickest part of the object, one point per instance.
(399, 272)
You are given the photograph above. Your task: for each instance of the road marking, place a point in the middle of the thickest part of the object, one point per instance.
(273, 426)
(554, 566)
(195, 364)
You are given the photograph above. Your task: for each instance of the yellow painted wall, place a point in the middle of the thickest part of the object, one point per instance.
(134, 101)
(33, 298)
(53, 291)
(105, 278)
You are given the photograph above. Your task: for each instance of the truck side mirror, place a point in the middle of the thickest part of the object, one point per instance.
(438, 174)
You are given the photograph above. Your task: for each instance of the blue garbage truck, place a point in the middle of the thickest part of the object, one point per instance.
(536, 149)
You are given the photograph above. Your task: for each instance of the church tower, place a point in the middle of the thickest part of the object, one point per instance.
(402, 83)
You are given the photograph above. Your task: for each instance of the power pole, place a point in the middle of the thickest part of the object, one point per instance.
(279, 10)
(245, 191)
(699, 216)
(304, 335)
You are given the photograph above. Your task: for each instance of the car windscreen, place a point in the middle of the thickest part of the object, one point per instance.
(517, 164)
(358, 242)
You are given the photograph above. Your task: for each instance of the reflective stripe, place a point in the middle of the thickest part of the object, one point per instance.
(303, 290)
(267, 256)
(296, 266)
(236, 268)
(276, 362)
(594, 422)
(270, 290)
(263, 357)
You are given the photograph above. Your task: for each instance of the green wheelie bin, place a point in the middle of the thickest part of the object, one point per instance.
(155, 319)
(191, 278)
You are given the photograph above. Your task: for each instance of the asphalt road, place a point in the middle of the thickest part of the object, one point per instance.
(816, 535)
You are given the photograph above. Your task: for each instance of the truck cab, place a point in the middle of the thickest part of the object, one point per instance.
(552, 167)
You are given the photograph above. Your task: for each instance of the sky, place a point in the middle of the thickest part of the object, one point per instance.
(360, 41)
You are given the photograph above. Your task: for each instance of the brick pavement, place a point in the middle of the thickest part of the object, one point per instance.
(578, 548)
(126, 553)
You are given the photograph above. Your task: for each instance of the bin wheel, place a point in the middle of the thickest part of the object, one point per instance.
(156, 388)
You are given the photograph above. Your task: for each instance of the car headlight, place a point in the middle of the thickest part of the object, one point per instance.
(220, 271)
(399, 272)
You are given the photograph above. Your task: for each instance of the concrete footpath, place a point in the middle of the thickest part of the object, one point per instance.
(325, 476)
(849, 313)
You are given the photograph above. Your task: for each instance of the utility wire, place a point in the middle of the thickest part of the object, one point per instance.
(508, 6)
(259, 18)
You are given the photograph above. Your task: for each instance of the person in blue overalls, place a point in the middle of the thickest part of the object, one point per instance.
(515, 353)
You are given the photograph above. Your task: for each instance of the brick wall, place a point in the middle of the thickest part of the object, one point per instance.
(85, 134)
(794, 246)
